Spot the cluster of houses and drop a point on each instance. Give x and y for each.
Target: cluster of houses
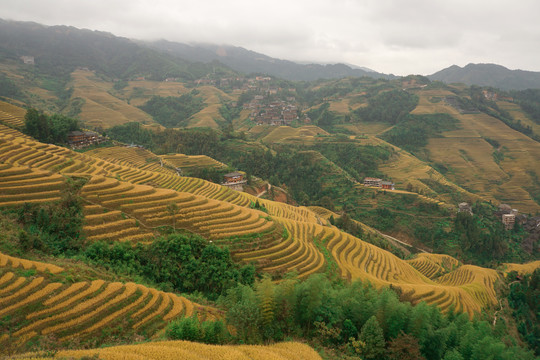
(493, 96)
(273, 113)
(380, 183)
(82, 139)
(509, 217)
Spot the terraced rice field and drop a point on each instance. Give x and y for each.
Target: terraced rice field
(149, 206)
(522, 269)
(11, 115)
(14, 262)
(284, 134)
(36, 306)
(471, 160)
(19, 185)
(168, 350)
(119, 207)
(139, 92)
(134, 157)
(192, 161)
(213, 99)
(99, 104)
(404, 168)
(433, 265)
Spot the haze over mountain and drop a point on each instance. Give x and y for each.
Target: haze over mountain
(489, 75)
(63, 48)
(247, 61)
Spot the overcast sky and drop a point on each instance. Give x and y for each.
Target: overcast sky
(391, 36)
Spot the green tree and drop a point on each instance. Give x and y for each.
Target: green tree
(372, 338)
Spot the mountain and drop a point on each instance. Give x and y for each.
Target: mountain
(247, 61)
(489, 75)
(58, 50)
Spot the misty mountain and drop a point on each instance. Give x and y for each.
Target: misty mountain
(489, 75)
(247, 61)
(58, 50)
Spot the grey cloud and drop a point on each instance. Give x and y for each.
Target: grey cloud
(401, 37)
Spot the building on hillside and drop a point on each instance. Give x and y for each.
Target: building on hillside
(369, 181)
(387, 185)
(81, 139)
(28, 60)
(508, 220)
(465, 207)
(234, 181)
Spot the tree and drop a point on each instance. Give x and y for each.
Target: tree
(373, 339)
(172, 209)
(404, 347)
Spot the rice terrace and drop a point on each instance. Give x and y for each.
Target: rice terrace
(156, 207)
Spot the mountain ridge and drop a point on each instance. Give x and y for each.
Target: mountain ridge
(489, 75)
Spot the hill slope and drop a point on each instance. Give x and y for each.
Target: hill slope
(247, 61)
(489, 75)
(279, 241)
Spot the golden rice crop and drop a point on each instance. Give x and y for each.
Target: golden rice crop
(94, 286)
(22, 291)
(168, 350)
(32, 297)
(177, 307)
(18, 282)
(131, 287)
(165, 301)
(113, 287)
(66, 292)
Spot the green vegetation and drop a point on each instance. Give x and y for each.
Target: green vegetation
(529, 100)
(132, 133)
(180, 262)
(358, 161)
(479, 238)
(9, 89)
(174, 111)
(357, 320)
(388, 106)
(523, 297)
(49, 129)
(191, 329)
(413, 131)
(53, 228)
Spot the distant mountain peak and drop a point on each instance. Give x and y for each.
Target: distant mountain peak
(494, 75)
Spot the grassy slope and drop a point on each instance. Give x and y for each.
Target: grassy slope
(470, 159)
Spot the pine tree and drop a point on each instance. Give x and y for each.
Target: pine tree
(373, 339)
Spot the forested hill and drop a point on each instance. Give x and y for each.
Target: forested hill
(58, 50)
(489, 75)
(248, 61)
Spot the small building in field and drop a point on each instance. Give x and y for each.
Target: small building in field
(28, 60)
(465, 207)
(234, 180)
(508, 220)
(369, 181)
(387, 185)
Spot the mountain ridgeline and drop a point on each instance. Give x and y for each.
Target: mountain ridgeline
(489, 75)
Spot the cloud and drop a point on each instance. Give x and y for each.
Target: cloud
(393, 36)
